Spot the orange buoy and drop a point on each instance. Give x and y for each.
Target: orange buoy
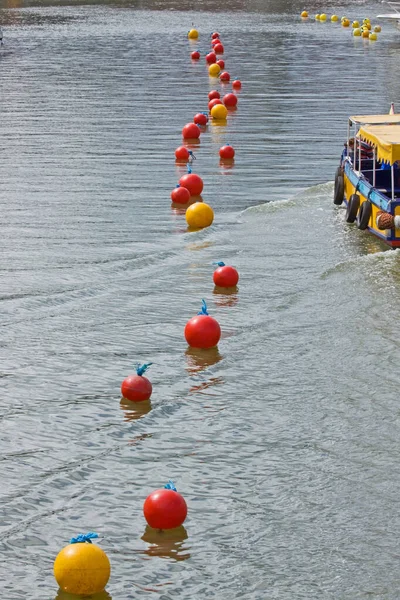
(227, 152)
(192, 182)
(211, 58)
(230, 100)
(202, 331)
(225, 76)
(213, 94)
(221, 63)
(180, 195)
(182, 153)
(195, 55)
(236, 84)
(214, 102)
(165, 508)
(137, 388)
(201, 119)
(191, 131)
(225, 276)
(218, 48)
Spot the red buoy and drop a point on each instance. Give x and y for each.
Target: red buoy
(192, 182)
(213, 102)
(202, 331)
(180, 195)
(227, 152)
(218, 48)
(165, 508)
(236, 84)
(215, 35)
(211, 58)
(213, 94)
(137, 388)
(195, 55)
(182, 153)
(230, 100)
(215, 41)
(225, 76)
(191, 131)
(221, 63)
(200, 119)
(225, 276)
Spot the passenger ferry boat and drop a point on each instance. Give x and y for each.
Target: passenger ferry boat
(368, 177)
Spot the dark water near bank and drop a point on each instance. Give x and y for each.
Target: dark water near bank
(284, 442)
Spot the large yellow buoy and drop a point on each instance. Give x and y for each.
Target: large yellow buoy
(82, 568)
(214, 70)
(357, 32)
(193, 34)
(377, 28)
(219, 111)
(373, 37)
(322, 17)
(199, 215)
(334, 18)
(304, 14)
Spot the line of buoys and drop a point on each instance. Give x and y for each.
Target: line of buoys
(363, 30)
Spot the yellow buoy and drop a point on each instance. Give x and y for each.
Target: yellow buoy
(317, 17)
(357, 32)
(365, 33)
(219, 111)
(322, 17)
(355, 24)
(373, 37)
(366, 20)
(304, 14)
(377, 28)
(82, 568)
(193, 34)
(214, 70)
(346, 23)
(334, 18)
(199, 215)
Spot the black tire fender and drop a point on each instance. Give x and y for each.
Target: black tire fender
(339, 171)
(352, 208)
(338, 195)
(364, 215)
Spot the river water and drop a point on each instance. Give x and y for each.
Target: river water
(284, 441)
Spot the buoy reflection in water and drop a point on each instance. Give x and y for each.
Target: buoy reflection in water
(167, 543)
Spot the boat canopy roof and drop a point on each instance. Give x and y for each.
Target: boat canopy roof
(385, 139)
(375, 119)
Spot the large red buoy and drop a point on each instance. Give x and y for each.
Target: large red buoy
(214, 102)
(225, 76)
(180, 195)
(201, 119)
(230, 100)
(136, 387)
(195, 55)
(191, 131)
(227, 152)
(221, 63)
(192, 182)
(236, 84)
(211, 58)
(182, 153)
(215, 35)
(214, 94)
(218, 48)
(202, 331)
(165, 508)
(225, 276)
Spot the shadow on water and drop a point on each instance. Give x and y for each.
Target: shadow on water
(166, 544)
(65, 596)
(134, 410)
(226, 296)
(198, 359)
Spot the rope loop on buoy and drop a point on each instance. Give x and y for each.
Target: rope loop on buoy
(219, 263)
(84, 537)
(170, 486)
(189, 170)
(203, 308)
(140, 369)
(191, 155)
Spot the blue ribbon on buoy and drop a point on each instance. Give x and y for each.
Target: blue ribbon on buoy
(203, 308)
(84, 537)
(189, 170)
(219, 263)
(140, 369)
(170, 486)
